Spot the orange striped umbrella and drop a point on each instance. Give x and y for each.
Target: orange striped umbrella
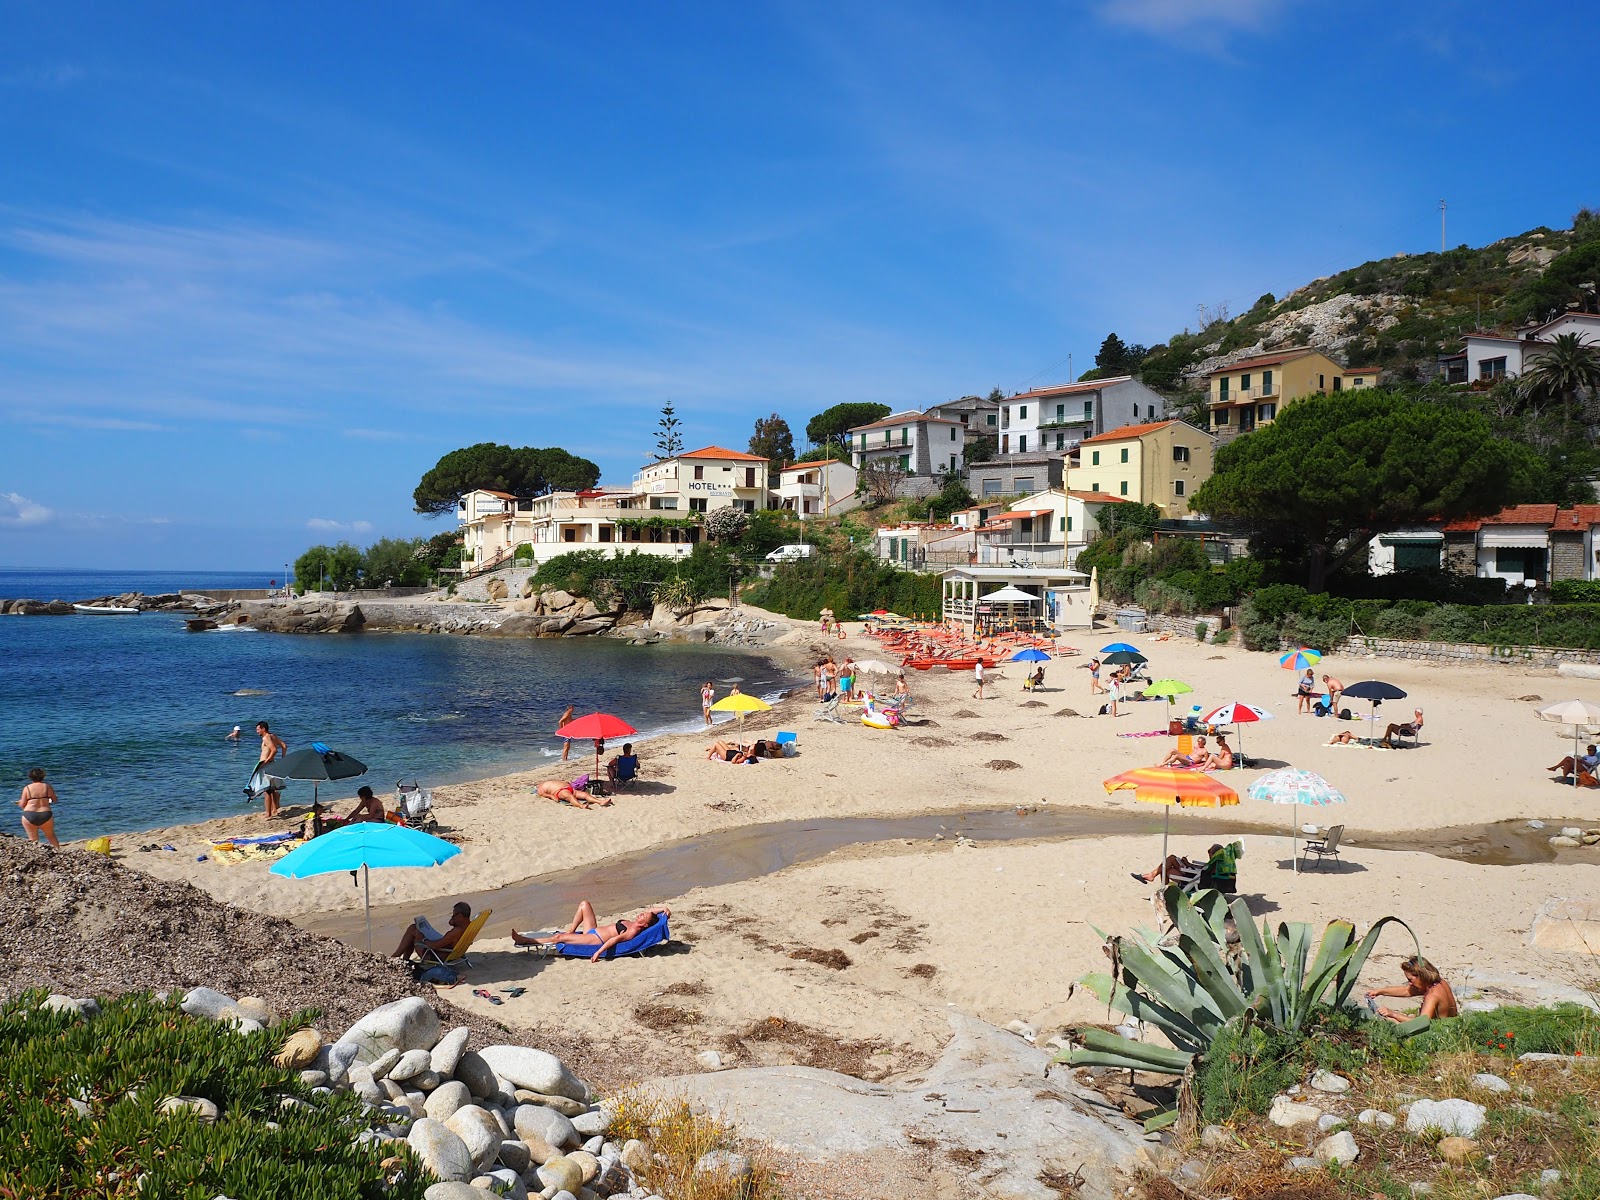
(1171, 786)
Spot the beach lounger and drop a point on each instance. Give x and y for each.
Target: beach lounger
(456, 956)
(1328, 846)
(658, 933)
(828, 710)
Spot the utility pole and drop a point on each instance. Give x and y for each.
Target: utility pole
(1442, 207)
(1071, 378)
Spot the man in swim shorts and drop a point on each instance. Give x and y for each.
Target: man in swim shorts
(585, 930)
(272, 747)
(419, 933)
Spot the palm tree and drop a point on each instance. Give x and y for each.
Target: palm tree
(1567, 369)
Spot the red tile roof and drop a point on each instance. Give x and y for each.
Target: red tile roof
(1098, 498)
(720, 452)
(815, 462)
(1127, 431)
(1070, 389)
(910, 417)
(1265, 360)
(1361, 371)
(492, 492)
(1524, 514)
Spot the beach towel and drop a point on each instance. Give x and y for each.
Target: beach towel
(288, 835)
(654, 936)
(1150, 733)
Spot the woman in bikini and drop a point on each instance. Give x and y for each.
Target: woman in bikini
(37, 797)
(585, 930)
(1422, 979)
(563, 792)
(727, 752)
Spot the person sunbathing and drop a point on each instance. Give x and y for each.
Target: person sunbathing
(1343, 738)
(1219, 870)
(1422, 979)
(420, 934)
(1197, 756)
(1583, 765)
(727, 752)
(585, 930)
(1221, 759)
(563, 792)
(1410, 729)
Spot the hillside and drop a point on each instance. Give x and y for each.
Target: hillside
(1401, 312)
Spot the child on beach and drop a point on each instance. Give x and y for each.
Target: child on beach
(707, 695)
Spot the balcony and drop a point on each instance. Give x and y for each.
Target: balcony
(801, 491)
(1249, 395)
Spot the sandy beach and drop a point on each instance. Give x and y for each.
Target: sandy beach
(861, 953)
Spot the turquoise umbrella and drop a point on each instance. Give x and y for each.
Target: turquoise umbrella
(1291, 785)
(363, 846)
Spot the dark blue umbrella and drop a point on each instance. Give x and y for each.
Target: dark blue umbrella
(1375, 692)
(1115, 646)
(1119, 658)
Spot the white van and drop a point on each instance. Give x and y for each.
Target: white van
(791, 553)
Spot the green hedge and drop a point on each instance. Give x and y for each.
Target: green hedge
(136, 1053)
(850, 584)
(1576, 591)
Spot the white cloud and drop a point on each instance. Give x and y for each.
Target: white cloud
(383, 435)
(45, 77)
(1205, 20)
(18, 510)
(323, 525)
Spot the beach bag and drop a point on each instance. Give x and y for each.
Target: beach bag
(99, 845)
(435, 973)
(1104, 709)
(1344, 715)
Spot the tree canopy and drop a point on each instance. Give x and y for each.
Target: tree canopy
(520, 470)
(773, 440)
(1333, 472)
(1116, 357)
(831, 424)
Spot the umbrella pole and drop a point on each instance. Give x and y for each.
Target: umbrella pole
(1294, 838)
(366, 897)
(1166, 826)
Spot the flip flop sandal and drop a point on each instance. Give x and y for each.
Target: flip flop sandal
(514, 992)
(486, 995)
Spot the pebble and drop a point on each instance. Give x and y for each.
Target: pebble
(1329, 1121)
(1456, 1150)
(1340, 1148)
(314, 1079)
(594, 1145)
(1460, 1118)
(1286, 1114)
(1374, 1116)
(409, 1065)
(1549, 1177)
(1486, 1082)
(442, 1059)
(561, 1173)
(79, 1107)
(205, 1002)
(1563, 842)
(479, 1131)
(727, 1163)
(587, 1163)
(710, 1060)
(1301, 1163)
(452, 1191)
(1327, 1081)
(1215, 1137)
(380, 1066)
(590, 1123)
(204, 1109)
(514, 1154)
(440, 1150)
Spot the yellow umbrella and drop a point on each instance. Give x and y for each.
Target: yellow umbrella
(1172, 786)
(740, 703)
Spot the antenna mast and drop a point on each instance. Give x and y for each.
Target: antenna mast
(1442, 207)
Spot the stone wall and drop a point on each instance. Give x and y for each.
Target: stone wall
(1181, 626)
(512, 577)
(1443, 652)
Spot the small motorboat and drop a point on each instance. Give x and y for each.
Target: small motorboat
(105, 610)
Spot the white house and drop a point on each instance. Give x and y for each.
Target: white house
(921, 445)
(705, 480)
(1049, 527)
(1057, 418)
(492, 524)
(823, 488)
(1490, 356)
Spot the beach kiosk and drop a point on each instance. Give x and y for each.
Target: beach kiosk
(979, 597)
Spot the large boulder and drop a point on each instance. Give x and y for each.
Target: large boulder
(441, 1150)
(205, 1002)
(480, 1131)
(1455, 1118)
(555, 600)
(477, 1075)
(407, 1024)
(535, 1070)
(447, 1051)
(446, 1099)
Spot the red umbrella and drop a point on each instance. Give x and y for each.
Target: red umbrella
(596, 725)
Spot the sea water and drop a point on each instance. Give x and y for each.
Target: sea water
(129, 714)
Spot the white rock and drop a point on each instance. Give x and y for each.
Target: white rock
(1339, 1148)
(591, 1123)
(56, 1002)
(411, 1064)
(454, 1190)
(407, 1024)
(1301, 1163)
(480, 1131)
(202, 1108)
(560, 1173)
(1480, 1006)
(506, 1183)
(79, 1107)
(594, 1145)
(1286, 1113)
(341, 1057)
(1329, 1121)
(1374, 1116)
(727, 1163)
(1572, 831)
(381, 1066)
(524, 1067)
(548, 1126)
(587, 1163)
(447, 1052)
(514, 1154)
(710, 1060)
(204, 1002)
(477, 1075)
(1455, 1118)
(446, 1098)
(1327, 1081)
(362, 1083)
(1565, 843)
(425, 1081)
(1486, 1082)
(1215, 1137)
(1535, 825)
(441, 1151)
(1516, 1196)
(1549, 1177)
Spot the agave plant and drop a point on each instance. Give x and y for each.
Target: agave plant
(1191, 989)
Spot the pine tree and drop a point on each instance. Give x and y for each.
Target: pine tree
(669, 442)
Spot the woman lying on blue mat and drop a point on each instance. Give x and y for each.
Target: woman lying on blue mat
(585, 930)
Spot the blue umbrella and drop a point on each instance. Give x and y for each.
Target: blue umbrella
(1030, 655)
(1115, 646)
(363, 846)
(1375, 692)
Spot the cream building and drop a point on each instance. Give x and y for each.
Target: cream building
(703, 481)
(1161, 463)
(1254, 390)
(492, 524)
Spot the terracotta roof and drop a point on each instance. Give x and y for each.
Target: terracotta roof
(492, 492)
(1265, 360)
(1579, 516)
(1361, 371)
(1098, 498)
(1127, 432)
(1022, 514)
(720, 452)
(1463, 525)
(816, 462)
(1489, 335)
(909, 417)
(1524, 514)
(1070, 389)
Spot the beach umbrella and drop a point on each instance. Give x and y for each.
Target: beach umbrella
(362, 846)
(1118, 657)
(1115, 646)
(319, 764)
(1171, 786)
(1375, 692)
(1299, 660)
(1236, 713)
(875, 666)
(1168, 688)
(1031, 654)
(1576, 713)
(1290, 785)
(597, 726)
(740, 703)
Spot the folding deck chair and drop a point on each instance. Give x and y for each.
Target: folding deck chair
(1328, 846)
(456, 956)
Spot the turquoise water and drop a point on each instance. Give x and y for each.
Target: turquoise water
(128, 715)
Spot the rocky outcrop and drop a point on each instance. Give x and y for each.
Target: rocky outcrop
(166, 602)
(308, 614)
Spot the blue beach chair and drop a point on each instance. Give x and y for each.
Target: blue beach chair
(638, 944)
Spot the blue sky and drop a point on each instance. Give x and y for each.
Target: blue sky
(261, 264)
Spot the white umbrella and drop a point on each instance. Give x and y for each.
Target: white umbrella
(874, 666)
(1290, 785)
(1010, 595)
(1576, 713)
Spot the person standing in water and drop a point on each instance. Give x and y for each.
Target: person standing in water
(272, 747)
(707, 695)
(561, 723)
(37, 818)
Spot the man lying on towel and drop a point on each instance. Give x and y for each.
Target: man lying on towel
(585, 930)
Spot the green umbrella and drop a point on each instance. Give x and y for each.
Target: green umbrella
(1168, 688)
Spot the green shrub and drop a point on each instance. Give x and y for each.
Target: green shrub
(849, 584)
(1575, 591)
(136, 1053)
(1397, 623)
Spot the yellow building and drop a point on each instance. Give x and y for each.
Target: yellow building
(1161, 463)
(1251, 391)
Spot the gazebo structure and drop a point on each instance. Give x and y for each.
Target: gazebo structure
(981, 597)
